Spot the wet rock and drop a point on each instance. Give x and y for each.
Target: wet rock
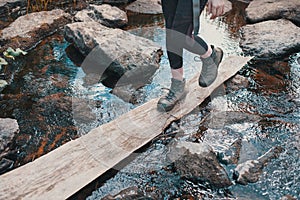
(270, 39)
(251, 170)
(232, 154)
(237, 82)
(132, 193)
(145, 7)
(8, 129)
(288, 197)
(262, 10)
(5, 165)
(26, 31)
(82, 111)
(105, 14)
(116, 57)
(248, 172)
(198, 162)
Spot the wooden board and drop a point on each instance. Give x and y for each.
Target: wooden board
(64, 171)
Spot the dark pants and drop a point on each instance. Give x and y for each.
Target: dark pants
(179, 30)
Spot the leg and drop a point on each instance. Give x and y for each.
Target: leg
(174, 51)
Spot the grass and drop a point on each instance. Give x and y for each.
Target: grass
(37, 5)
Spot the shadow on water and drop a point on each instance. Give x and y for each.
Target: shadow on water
(48, 92)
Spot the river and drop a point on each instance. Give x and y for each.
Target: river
(47, 85)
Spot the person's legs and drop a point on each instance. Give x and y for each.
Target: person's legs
(179, 28)
(210, 56)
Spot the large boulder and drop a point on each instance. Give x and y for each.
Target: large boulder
(119, 59)
(145, 7)
(262, 10)
(105, 14)
(269, 39)
(198, 162)
(26, 31)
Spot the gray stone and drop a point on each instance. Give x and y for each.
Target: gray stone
(262, 10)
(26, 31)
(248, 172)
(251, 170)
(269, 39)
(145, 7)
(8, 129)
(105, 14)
(198, 162)
(85, 16)
(115, 56)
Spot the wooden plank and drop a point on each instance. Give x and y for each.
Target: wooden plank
(62, 172)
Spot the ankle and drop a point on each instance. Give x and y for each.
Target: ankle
(177, 74)
(208, 53)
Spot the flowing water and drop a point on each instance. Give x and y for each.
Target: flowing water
(48, 90)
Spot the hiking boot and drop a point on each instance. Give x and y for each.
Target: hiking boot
(210, 66)
(176, 92)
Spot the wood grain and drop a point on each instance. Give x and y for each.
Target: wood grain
(62, 172)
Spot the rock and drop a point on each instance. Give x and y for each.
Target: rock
(82, 111)
(270, 39)
(116, 57)
(145, 7)
(237, 82)
(262, 10)
(248, 172)
(288, 197)
(105, 14)
(8, 129)
(251, 170)
(131, 193)
(26, 31)
(232, 154)
(5, 165)
(85, 16)
(198, 162)
(12, 9)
